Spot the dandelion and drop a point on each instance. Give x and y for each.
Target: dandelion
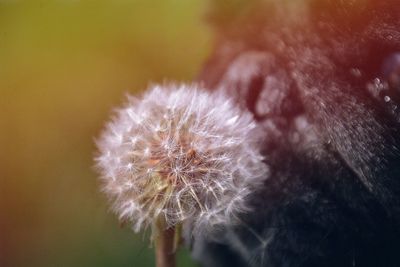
(179, 154)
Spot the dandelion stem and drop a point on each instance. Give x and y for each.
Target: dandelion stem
(164, 245)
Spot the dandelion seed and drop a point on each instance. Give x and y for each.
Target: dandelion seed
(180, 152)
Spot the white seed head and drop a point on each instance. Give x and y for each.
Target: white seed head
(180, 153)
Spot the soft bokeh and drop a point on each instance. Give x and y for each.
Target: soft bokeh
(63, 66)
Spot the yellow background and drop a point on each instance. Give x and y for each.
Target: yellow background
(63, 66)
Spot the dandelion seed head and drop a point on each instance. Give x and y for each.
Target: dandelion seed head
(180, 153)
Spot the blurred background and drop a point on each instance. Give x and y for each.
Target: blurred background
(63, 66)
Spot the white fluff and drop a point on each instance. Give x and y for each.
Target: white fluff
(180, 153)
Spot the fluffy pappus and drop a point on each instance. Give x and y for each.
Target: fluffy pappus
(180, 153)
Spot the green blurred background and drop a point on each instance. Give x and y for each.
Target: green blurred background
(63, 66)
